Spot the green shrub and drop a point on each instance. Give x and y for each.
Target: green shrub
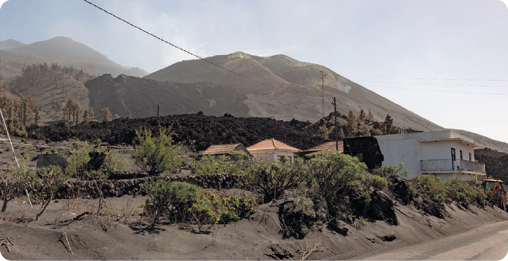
(379, 183)
(463, 192)
(223, 164)
(78, 160)
(169, 199)
(336, 173)
(156, 154)
(271, 179)
(363, 222)
(9, 186)
(113, 162)
(430, 187)
(390, 171)
(43, 185)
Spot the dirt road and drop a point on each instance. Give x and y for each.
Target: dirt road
(487, 242)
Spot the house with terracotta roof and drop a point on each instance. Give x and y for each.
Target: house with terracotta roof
(273, 150)
(224, 149)
(327, 146)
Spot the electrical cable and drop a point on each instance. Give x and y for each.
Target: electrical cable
(412, 89)
(179, 48)
(439, 79)
(443, 84)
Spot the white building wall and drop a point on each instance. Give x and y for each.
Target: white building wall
(409, 149)
(271, 155)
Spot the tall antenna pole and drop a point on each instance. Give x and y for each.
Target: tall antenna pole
(323, 92)
(335, 120)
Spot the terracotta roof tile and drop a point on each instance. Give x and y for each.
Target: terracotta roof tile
(221, 149)
(327, 146)
(271, 144)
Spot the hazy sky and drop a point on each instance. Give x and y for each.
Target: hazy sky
(446, 60)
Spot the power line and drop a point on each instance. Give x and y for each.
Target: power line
(412, 89)
(439, 79)
(179, 48)
(443, 84)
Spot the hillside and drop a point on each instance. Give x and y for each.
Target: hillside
(9, 44)
(135, 97)
(485, 141)
(293, 91)
(66, 52)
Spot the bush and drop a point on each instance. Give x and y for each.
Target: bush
(390, 171)
(271, 179)
(377, 182)
(336, 173)
(156, 154)
(7, 191)
(43, 185)
(77, 161)
(223, 164)
(113, 162)
(463, 192)
(429, 187)
(169, 199)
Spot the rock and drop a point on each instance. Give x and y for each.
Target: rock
(388, 237)
(339, 226)
(382, 208)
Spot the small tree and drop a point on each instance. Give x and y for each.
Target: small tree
(336, 173)
(370, 116)
(8, 189)
(106, 114)
(271, 179)
(352, 123)
(165, 198)
(156, 154)
(362, 117)
(44, 184)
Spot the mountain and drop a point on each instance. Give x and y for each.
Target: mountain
(135, 97)
(67, 52)
(289, 88)
(9, 44)
(485, 141)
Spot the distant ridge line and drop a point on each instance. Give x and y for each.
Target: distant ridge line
(181, 49)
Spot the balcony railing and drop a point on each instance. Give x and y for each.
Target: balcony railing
(449, 165)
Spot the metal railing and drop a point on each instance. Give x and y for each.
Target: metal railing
(451, 165)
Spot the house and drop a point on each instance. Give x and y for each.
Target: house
(225, 149)
(445, 154)
(273, 150)
(327, 146)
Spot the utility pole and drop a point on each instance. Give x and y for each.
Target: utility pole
(335, 121)
(158, 119)
(323, 92)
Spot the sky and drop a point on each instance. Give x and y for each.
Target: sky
(445, 60)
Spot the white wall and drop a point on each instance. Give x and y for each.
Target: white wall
(271, 155)
(411, 148)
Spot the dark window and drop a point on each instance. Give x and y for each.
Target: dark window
(469, 156)
(460, 154)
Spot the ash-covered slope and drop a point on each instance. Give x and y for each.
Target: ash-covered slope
(137, 97)
(9, 44)
(66, 52)
(292, 90)
(485, 141)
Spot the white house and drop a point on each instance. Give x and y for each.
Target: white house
(273, 150)
(445, 154)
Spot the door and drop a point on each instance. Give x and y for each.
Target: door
(453, 158)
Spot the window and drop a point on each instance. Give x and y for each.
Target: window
(469, 156)
(281, 159)
(460, 154)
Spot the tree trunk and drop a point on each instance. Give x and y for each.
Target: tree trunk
(44, 206)
(4, 206)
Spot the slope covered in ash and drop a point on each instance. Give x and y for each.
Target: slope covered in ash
(67, 52)
(290, 89)
(137, 97)
(197, 130)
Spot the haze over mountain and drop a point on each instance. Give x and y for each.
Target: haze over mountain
(293, 91)
(63, 51)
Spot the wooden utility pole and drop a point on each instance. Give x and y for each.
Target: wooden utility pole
(323, 92)
(158, 119)
(335, 121)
